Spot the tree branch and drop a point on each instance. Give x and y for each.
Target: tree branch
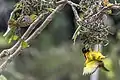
(17, 48)
(25, 36)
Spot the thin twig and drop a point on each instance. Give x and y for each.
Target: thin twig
(73, 5)
(114, 6)
(61, 2)
(77, 18)
(45, 23)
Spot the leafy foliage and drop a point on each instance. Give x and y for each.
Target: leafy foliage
(24, 44)
(25, 13)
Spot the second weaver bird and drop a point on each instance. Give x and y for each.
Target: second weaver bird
(107, 3)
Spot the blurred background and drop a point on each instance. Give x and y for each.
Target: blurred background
(52, 55)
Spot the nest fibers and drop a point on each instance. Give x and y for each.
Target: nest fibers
(37, 6)
(92, 29)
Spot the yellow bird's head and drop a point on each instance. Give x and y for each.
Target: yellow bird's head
(87, 53)
(92, 55)
(85, 50)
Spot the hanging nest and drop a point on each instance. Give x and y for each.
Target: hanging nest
(91, 28)
(36, 6)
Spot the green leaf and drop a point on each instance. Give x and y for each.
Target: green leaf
(24, 44)
(10, 40)
(15, 37)
(9, 35)
(2, 77)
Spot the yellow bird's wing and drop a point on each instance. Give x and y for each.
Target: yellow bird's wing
(90, 67)
(97, 56)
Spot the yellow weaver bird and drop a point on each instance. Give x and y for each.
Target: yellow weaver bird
(94, 60)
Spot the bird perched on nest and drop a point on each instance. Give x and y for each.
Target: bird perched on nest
(94, 60)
